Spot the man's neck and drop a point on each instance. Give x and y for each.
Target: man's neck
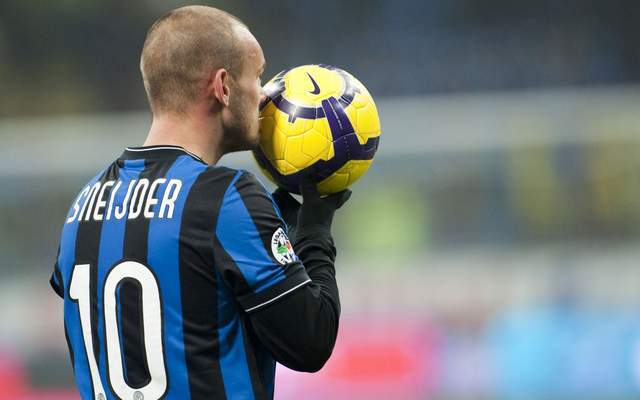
(191, 134)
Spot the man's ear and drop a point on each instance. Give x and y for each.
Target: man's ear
(218, 86)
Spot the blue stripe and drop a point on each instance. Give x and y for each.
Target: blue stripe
(163, 258)
(111, 248)
(249, 254)
(66, 262)
(233, 358)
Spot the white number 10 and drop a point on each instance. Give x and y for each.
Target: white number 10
(79, 290)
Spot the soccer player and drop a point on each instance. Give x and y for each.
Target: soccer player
(178, 277)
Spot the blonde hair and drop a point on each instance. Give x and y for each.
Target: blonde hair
(181, 48)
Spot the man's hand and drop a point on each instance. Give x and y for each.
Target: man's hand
(315, 213)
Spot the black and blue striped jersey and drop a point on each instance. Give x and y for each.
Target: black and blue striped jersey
(162, 261)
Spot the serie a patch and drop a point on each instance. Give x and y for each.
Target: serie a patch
(281, 247)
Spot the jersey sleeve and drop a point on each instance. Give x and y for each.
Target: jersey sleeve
(253, 254)
(56, 279)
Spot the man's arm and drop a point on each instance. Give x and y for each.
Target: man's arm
(291, 300)
(300, 330)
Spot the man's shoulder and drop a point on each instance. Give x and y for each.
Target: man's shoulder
(219, 172)
(232, 179)
(218, 186)
(218, 177)
(245, 184)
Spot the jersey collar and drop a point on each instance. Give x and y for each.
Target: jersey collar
(158, 151)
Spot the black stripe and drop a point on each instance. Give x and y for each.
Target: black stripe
(227, 266)
(66, 337)
(261, 209)
(60, 283)
(257, 360)
(56, 277)
(56, 281)
(135, 359)
(199, 282)
(87, 252)
(137, 229)
(135, 248)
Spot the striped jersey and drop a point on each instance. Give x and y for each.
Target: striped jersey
(161, 259)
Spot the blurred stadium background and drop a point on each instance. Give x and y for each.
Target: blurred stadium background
(490, 253)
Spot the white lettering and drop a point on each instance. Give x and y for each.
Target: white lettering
(119, 213)
(170, 196)
(141, 198)
(137, 200)
(151, 201)
(90, 198)
(76, 205)
(111, 197)
(97, 215)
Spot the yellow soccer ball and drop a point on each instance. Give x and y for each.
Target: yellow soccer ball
(317, 120)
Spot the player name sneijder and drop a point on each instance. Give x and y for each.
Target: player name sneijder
(139, 200)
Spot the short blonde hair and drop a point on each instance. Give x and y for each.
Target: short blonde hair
(181, 47)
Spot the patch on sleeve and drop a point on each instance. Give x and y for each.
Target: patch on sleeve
(281, 247)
